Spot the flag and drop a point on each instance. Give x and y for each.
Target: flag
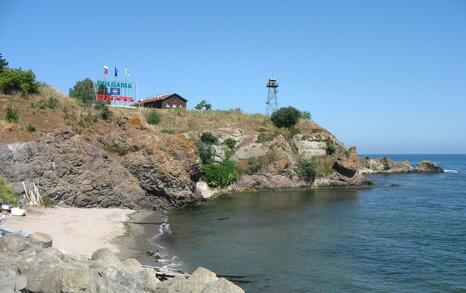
(105, 70)
(126, 72)
(116, 72)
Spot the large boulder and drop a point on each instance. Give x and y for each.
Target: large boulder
(248, 151)
(41, 239)
(222, 285)
(105, 257)
(308, 147)
(12, 243)
(428, 167)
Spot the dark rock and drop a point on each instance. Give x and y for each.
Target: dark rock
(428, 167)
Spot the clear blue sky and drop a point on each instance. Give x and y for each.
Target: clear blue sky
(386, 76)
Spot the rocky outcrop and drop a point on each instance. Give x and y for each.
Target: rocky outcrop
(31, 266)
(388, 166)
(428, 167)
(77, 170)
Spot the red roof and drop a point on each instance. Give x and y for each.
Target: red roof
(159, 98)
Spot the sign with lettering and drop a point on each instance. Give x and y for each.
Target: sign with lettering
(115, 84)
(119, 93)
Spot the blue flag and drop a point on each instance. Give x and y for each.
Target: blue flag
(116, 72)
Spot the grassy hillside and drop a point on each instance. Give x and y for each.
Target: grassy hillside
(50, 110)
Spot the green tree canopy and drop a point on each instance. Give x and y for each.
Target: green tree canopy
(285, 117)
(203, 105)
(18, 80)
(83, 91)
(3, 63)
(102, 90)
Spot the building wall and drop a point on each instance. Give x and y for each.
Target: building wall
(174, 100)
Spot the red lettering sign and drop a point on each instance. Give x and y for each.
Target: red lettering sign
(100, 97)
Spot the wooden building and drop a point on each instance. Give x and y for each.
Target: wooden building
(170, 101)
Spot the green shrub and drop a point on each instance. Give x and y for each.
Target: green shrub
(83, 91)
(266, 135)
(285, 117)
(254, 165)
(230, 143)
(105, 113)
(11, 114)
(324, 170)
(115, 148)
(203, 105)
(331, 147)
(47, 201)
(3, 63)
(305, 115)
(102, 90)
(7, 195)
(17, 80)
(206, 152)
(208, 137)
(293, 131)
(30, 128)
(99, 105)
(52, 102)
(153, 117)
(85, 120)
(307, 169)
(221, 174)
(168, 131)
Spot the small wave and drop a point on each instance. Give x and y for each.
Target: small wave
(450, 171)
(167, 261)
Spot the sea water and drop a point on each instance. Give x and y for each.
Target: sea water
(406, 234)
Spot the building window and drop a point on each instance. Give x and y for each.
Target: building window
(167, 105)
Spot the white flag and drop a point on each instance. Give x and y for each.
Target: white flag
(126, 72)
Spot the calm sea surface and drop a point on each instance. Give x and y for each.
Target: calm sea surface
(407, 234)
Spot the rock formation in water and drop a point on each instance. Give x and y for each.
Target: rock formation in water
(33, 265)
(388, 166)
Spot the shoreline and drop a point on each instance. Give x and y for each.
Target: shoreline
(139, 241)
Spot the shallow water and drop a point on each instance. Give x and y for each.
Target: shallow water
(405, 238)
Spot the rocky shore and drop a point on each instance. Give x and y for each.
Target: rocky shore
(31, 264)
(388, 166)
(79, 160)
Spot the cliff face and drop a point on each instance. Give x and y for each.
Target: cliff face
(80, 160)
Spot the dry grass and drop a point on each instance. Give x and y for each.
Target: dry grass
(174, 121)
(181, 121)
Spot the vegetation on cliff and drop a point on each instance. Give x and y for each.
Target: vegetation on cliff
(7, 195)
(96, 155)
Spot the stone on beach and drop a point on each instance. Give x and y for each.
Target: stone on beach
(41, 239)
(28, 264)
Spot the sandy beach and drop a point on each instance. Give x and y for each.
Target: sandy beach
(76, 231)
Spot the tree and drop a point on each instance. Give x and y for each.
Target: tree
(102, 90)
(203, 105)
(83, 91)
(305, 115)
(3, 63)
(17, 80)
(285, 117)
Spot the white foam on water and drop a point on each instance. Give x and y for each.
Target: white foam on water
(166, 260)
(450, 171)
